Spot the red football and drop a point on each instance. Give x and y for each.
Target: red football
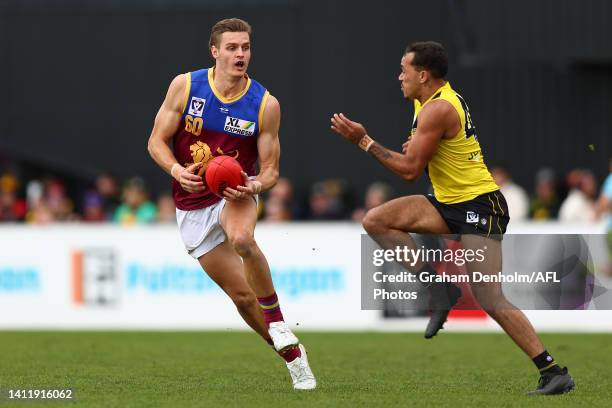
(222, 172)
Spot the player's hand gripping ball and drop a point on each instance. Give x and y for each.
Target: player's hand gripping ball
(223, 172)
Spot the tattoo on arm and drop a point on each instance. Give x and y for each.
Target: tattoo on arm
(379, 151)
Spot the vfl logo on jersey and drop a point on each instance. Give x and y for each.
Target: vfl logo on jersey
(239, 126)
(196, 106)
(471, 217)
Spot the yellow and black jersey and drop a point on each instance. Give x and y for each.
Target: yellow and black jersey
(457, 171)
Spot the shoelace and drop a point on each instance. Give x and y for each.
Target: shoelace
(544, 379)
(303, 370)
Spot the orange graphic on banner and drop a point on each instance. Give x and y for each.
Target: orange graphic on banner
(77, 277)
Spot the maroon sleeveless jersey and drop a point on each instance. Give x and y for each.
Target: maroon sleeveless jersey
(213, 126)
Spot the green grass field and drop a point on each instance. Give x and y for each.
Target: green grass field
(185, 369)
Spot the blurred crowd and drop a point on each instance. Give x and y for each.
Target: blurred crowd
(47, 200)
(577, 197)
(574, 197)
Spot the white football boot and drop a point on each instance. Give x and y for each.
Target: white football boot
(282, 336)
(301, 374)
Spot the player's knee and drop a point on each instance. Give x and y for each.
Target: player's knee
(373, 223)
(244, 244)
(243, 299)
(488, 298)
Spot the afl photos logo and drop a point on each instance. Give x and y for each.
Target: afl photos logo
(196, 106)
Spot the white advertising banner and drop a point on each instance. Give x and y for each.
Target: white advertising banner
(141, 277)
(112, 277)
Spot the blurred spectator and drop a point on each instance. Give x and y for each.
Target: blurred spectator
(604, 203)
(40, 213)
(8, 182)
(34, 193)
(48, 201)
(166, 209)
(516, 197)
(12, 208)
(93, 210)
(136, 207)
(58, 202)
(325, 201)
(377, 194)
(579, 206)
(545, 204)
(604, 207)
(279, 205)
(108, 190)
(283, 190)
(276, 210)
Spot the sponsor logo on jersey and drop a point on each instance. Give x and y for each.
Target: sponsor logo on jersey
(471, 217)
(223, 110)
(239, 126)
(196, 106)
(475, 156)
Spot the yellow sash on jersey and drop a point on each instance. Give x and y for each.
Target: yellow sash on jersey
(457, 171)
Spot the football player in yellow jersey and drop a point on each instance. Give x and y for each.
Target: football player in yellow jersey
(466, 200)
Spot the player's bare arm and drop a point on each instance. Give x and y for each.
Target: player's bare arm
(268, 148)
(268, 145)
(437, 120)
(167, 121)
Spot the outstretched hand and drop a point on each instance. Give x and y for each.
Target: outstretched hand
(351, 131)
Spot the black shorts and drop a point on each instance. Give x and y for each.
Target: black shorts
(485, 215)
